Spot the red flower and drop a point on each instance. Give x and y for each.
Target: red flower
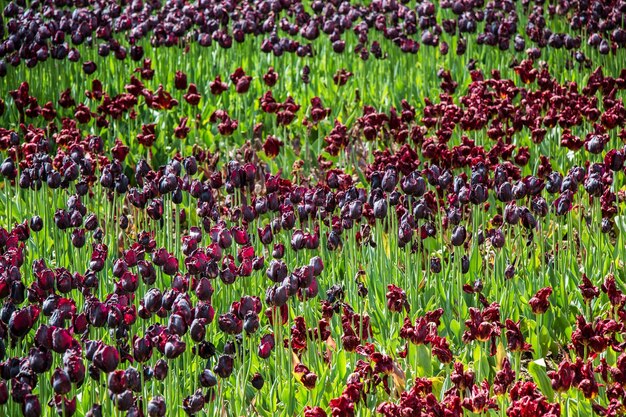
(588, 290)
(268, 103)
(318, 112)
(217, 86)
(504, 378)
(563, 377)
(66, 100)
(586, 380)
(119, 151)
(441, 349)
(305, 376)
(298, 335)
(270, 79)
(336, 139)
(160, 100)
(47, 111)
(314, 411)
(515, 338)
(181, 131)
(82, 114)
(383, 363)
(241, 80)
(396, 299)
(272, 146)
(616, 297)
(341, 407)
(192, 96)
(526, 401)
(227, 125)
(539, 302)
(266, 346)
(460, 378)
(593, 338)
(341, 77)
(525, 70)
(146, 71)
(479, 400)
(180, 80)
(147, 135)
(96, 92)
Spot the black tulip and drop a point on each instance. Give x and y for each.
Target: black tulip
(208, 379)
(157, 407)
(31, 406)
(36, 223)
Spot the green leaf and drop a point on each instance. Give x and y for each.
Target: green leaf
(481, 362)
(455, 327)
(475, 262)
(341, 363)
(620, 222)
(424, 360)
(537, 369)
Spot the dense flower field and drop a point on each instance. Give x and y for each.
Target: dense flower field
(328, 208)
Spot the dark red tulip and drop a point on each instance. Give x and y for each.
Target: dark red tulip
(207, 379)
(31, 406)
(266, 346)
(106, 358)
(142, 349)
(36, 224)
(217, 86)
(272, 146)
(156, 407)
(4, 393)
(224, 366)
(160, 370)
(192, 96)
(435, 265)
(123, 401)
(230, 324)
(396, 299)
(60, 382)
(116, 381)
(271, 77)
(75, 368)
(539, 302)
(316, 411)
(180, 80)
(197, 330)
(89, 67)
(94, 411)
(194, 403)
(588, 290)
(171, 266)
(21, 321)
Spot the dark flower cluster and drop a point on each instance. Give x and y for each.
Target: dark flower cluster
(136, 260)
(37, 31)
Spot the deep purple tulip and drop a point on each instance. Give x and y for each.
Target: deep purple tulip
(106, 358)
(31, 406)
(160, 370)
(60, 382)
(94, 411)
(116, 381)
(123, 401)
(207, 379)
(224, 367)
(194, 403)
(4, 393)
(89, 67)
(156, 407)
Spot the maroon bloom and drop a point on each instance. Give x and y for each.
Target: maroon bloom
(272, 146)
(539, 302)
